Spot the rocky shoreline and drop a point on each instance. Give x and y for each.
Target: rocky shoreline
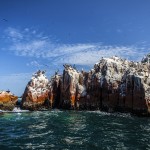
(113, 85)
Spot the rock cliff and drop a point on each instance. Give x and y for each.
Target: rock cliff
(7, 100)
(123, 85)
(114, 84)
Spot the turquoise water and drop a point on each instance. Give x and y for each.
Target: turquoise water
(73, 130)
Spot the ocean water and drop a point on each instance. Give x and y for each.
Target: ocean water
(65, 130)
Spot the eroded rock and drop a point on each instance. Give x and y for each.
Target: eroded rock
(7, 100)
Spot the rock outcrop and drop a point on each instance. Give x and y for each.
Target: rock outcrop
(114, 84)
(36, 94)
(123, 85)
(7, 100)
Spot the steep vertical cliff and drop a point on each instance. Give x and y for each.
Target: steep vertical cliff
(72, 88)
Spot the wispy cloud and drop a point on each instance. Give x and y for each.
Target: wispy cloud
(31, 43)
(13, 34)
(33, 63)
(119, 30)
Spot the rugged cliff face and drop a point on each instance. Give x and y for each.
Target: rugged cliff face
(114, 84)
(36, 95)
(7, 100)
(123, 85)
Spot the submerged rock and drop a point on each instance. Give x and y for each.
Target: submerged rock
(7, 100)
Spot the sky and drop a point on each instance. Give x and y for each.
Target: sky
(45, 34)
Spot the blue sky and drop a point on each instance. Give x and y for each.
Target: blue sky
(44, 34)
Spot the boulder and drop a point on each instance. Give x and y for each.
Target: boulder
(7, 100)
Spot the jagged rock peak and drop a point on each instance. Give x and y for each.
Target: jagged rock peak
(146, 59)
(38, 84)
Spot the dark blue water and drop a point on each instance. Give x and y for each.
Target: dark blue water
(73, 130)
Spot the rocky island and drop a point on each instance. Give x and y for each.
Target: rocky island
(114, 84)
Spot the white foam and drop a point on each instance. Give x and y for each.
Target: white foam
(15, 110)
(19, 110)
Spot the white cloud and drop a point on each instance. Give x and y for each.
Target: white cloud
(14, 34)
(91, 55)
(31, 43)
(26, 29)
(35, 64)
(33, 48)
(119, 30)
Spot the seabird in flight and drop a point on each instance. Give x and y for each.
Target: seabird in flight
(4, 20)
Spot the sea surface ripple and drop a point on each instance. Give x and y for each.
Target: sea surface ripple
(65, 130)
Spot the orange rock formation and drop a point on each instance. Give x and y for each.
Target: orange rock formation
(7, 100)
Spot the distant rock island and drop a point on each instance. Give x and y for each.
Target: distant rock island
(114, 84)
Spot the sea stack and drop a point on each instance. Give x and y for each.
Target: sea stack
(36, 94)
(72, 88)
(7, 100)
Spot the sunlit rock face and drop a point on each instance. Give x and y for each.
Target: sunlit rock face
(122, 84)
(133, 89)
(146, 59)
(37, 92)
(114, 84)
(7, 100)
(72, 87)
(69, 86)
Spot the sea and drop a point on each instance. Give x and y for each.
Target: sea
(73, 130)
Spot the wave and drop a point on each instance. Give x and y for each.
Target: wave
(15, 110)
(117, 114)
